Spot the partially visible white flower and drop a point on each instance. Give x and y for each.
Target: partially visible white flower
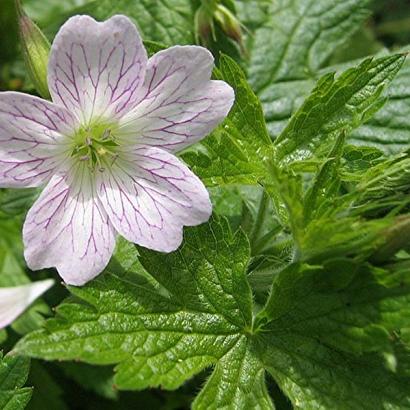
(105, 147)
(14, 301)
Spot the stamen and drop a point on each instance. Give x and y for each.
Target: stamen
(106, 135)
(96, 146)
(114, 158)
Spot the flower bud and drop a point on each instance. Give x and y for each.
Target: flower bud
(393, 239)
(204, 24)
(228, 23)
(35, 48)
(211, 12)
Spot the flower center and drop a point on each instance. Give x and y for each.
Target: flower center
(95, 145)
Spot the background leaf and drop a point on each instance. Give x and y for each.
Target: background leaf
(13, 375)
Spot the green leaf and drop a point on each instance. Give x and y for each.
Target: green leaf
(330, 328)
(248, 207)
(328, 332)
(227, 201)
(15, 202)
(341, 210)
(252, 13)
(324, 222)
(389, 128)
(386, 184)
(337, 104)
(318, 199)
(298, 38)
(45, 11)
(11, 266)
(358, 159)
(243, 377)
(235, 151)
(164, 21)
(315, 376)
(285, 187)
(341, 235)
(290, 46)
(13, 375)
(291, 49)
(161, 336)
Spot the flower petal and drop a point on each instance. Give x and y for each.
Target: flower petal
(31, 139)
(67, 228)
(179, 103)
(150, 195)
(96, 69)
(14, 301)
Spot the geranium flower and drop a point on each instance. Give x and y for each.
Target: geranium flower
(14, 301)
(105, 146)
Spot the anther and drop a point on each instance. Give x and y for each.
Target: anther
(106, 134)
(115, 156)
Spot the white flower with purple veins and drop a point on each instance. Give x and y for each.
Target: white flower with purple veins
(14, 301)
(105, 147)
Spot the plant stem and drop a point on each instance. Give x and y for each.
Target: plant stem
(260, 217)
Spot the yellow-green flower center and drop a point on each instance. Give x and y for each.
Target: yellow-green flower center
(96, 145)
